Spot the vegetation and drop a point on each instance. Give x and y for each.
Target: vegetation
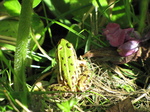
(30, 32)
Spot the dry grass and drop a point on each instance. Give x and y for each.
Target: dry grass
(110, 86)
(113, 86)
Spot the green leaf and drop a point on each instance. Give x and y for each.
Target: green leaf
(103, 3)
(80, 7)
(36, 3)
(13, 7)
(67, 105)
(8, 33)
(9, 27)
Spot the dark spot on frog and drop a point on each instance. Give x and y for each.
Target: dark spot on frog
(62, 58)
(71, 64)
(84, 74)
(65, 65)
(87, 76)
(87, 86)
(73, 77)
(90, 81)
(68, 45)
(73, 85)
(69, 57)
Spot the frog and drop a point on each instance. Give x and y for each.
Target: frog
(74, 73)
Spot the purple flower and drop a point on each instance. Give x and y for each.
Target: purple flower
(127, 40)
(128, 48)
(114, 34)
(128, 33)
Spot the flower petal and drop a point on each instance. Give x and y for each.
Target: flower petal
(114, 34)
(128, 48)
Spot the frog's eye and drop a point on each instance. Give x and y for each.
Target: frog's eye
(68, 45)
(60, 47)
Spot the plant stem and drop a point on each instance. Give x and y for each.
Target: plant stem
(21, 50)
(143, 13)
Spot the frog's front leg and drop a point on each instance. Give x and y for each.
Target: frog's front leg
(84, 82)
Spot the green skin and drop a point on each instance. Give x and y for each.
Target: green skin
(68, 64)
(70, 77)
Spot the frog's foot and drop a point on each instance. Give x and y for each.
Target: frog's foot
(60, 90)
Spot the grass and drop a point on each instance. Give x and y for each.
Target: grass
(82, 26)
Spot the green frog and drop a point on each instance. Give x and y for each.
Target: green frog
(74, 74)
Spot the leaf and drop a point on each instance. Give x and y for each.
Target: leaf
(9, 29)
(123, 106)
(57, 7)
(8, 33)
(66, 106)
(81, 7)
(36, 3)
(13, 7)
